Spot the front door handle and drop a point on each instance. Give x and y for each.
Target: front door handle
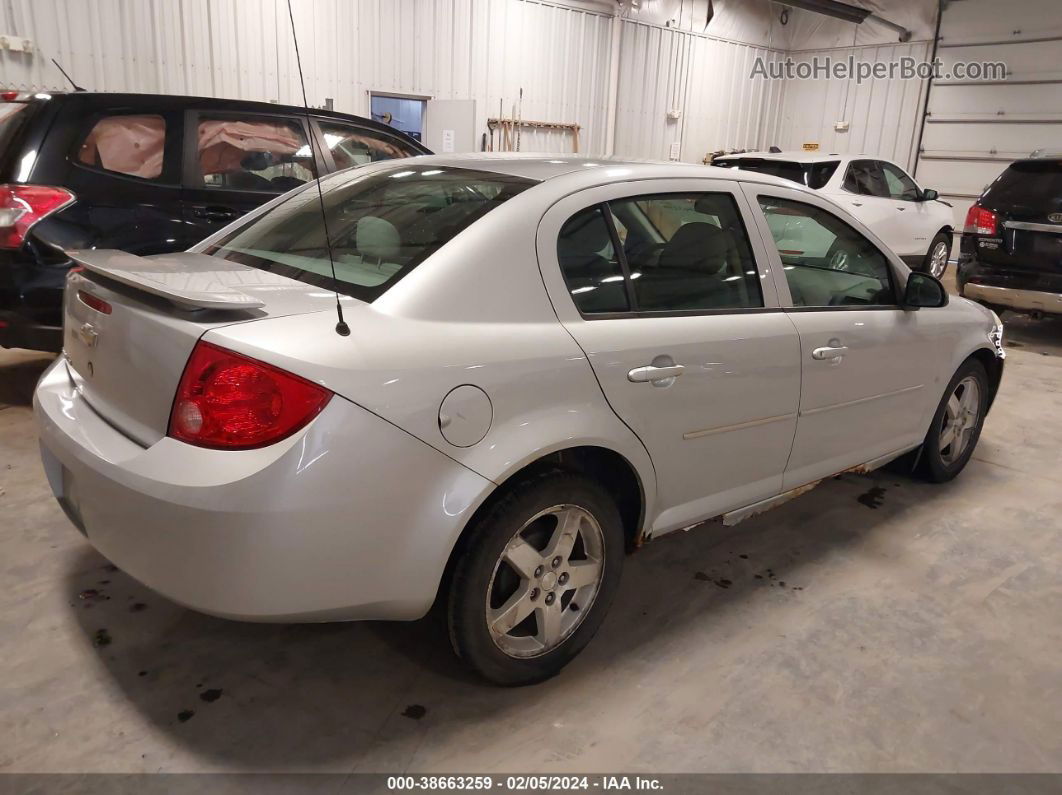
(655, 375)
(829, 352)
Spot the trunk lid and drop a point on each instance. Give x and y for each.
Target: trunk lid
(131, 322)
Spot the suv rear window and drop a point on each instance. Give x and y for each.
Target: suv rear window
(1028, 184)
(382, 225)
(11, 117)
(813, 175)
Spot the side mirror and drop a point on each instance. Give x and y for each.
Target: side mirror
(929, 195)
(924, 291)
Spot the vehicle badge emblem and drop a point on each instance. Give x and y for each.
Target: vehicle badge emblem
(1055, 218)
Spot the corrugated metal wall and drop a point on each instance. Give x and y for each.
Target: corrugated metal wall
(974, 129)
(705, 79)
(883, 115)
(447, 49)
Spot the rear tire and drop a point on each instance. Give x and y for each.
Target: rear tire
(936, 259)
(537, 575)
(956, 425)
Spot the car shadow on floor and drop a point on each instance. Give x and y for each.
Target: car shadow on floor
(1037, 335)
(327, 696)
(19, 372)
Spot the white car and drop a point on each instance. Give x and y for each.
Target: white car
(549, 362)
(911, 220)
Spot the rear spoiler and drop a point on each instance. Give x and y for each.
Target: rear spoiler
(190, 280)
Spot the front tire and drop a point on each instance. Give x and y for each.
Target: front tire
(956, 425)
(538, 573)
(936, 260)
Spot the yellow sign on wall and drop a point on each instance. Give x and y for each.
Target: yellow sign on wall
(811, 147)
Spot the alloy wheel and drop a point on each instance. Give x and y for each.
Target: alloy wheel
(545, 581)
(960, 419)
(938, 260)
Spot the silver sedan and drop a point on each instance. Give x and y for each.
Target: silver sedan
(549, 362)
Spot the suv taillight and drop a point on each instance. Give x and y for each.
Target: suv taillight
(980, 221)
(231, 402)
(21, 206)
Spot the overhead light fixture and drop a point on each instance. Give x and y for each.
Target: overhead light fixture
(849, 13)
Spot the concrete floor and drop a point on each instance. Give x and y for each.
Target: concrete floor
(876, 624)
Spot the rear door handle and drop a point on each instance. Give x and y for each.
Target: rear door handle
(215, 213)
(829, 352)
(655, 375)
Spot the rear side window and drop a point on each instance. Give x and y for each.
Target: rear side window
(590, 264)
(1028, 184)
(353, 146)
(382, 226)
(132, 145)
(253, 153)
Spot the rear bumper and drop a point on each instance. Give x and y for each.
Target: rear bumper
(1013, 298)
(351, 518)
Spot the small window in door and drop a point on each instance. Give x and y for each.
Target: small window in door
(125, 144)
(354, 146)
(253, 153)
(687, 252)
(901, 186)
(590, 264)
(826, 262)
(864, 177)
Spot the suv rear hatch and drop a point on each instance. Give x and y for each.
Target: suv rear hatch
(131, 323)
(1026, 202)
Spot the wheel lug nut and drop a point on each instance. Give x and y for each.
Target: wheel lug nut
(563, 578)
(556, 561)
(549, 598)
(538, 571)
(534, 594)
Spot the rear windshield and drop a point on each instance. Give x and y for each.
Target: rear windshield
(813, 175)
(11, 116)
(1028, 185)
(382, 225)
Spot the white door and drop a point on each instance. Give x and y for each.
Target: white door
(865, 194)
(869, 368)
(918, 220)
(658, 283)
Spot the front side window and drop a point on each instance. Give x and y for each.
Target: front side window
(864, 177)
(382, 225)
(353, 146)
(826, 262)
(125, 144)
(254, 153)
(901, 186)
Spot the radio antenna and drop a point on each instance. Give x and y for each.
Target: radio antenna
(342, 329)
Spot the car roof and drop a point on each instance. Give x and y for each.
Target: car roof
(795, 156)
(180, 101)
(544, 167)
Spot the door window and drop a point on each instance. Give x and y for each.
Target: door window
(900, 186)
(826, 262)
(865, 178)
(125, 144)
(253, 153)
(355, 146)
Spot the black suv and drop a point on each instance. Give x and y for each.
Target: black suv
(1011, 250)
(148, 174)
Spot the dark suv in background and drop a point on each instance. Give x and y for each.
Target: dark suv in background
(148, 174)
(1011, 250)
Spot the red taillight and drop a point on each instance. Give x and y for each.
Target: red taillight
(231, 402)
(21, 206)
(91, 301)
(8, 96)
(980, 221)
